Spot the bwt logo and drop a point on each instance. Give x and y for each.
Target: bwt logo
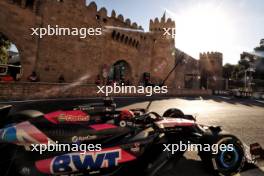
(169, 32)
(76, 162)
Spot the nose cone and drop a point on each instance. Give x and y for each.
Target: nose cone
(8, 135)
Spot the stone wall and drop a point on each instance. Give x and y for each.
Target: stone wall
(75, 57)
(31, 91)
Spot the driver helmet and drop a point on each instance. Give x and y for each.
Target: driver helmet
(126, 114)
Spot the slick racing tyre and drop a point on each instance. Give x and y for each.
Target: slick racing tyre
(173, 112)
(224, 161)
(16, 162)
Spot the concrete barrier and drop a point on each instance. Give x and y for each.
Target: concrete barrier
(235, 93)
(258, 95)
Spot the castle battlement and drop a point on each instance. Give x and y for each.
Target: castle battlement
(211, 55)
(212, 63)
(29, 4)
(102, 14)
(158, 24)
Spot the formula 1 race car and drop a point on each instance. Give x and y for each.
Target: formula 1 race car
(98, 139)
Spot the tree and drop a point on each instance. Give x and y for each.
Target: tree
(261, 46)
(244, 63)
(235, 74)
(238, 72)
(5, 44)
(259, 72)
(228, 70)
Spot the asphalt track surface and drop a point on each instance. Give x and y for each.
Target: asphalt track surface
(244, 118)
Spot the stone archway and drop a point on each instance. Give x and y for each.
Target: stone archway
(10, 64)
(120, 72)
(15, 25)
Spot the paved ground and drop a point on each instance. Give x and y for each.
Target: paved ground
(244, 118)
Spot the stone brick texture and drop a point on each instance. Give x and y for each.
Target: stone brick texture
(74, 58)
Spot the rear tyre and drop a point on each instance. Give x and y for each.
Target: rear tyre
(225, 162)
(15, 161)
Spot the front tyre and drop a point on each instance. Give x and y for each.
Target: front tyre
(228, 158)
(15, 161)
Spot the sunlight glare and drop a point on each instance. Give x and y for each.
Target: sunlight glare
(203, 27)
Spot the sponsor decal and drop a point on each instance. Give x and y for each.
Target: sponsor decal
(83, 138)
(67, 116)
(72, 118)
(74, 162)
(78, 162)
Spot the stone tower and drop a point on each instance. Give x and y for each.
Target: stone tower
(163, 28)
(211, 68)
(163, 47)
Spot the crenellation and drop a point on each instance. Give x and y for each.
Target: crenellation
(134, 25)
(92, 7)
(159, 25)
(113, 14)
(128, 22)
(215, 55)
(169, 20)
(156, 21)
(211, 55)
(120, 18)
(26, 4)
(103, 12)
